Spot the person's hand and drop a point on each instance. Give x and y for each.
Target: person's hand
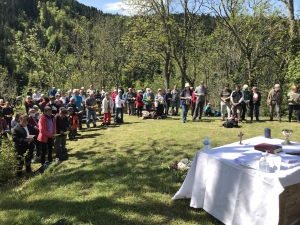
(53, 136)
(28, 140)
(293, 99)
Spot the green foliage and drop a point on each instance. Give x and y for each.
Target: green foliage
(8, 160)
(293, 74)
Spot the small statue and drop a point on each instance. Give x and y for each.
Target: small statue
(241, 137)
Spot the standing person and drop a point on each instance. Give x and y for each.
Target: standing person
(73, 123)
(107, 105)
(68, 98)
(53, 105)
(113, 96)
(175, 99)
(62, 126)
(78, 102)
(245, 102)
(236, 99)
(139, 103)
(225, 101)
(28, 103)
(82, 88)
(186, 96)
(294, 103)
(168, 98)
(148, 99)
(16, 120)
(90, 89)
(274, 101)
(159, 103)
(130, 99)
(83, 96)
(34, 122)
(98, 98)
(200, 93)
(8, 113)
(29, 92)
(23, 144)
(36, 97)
(47, 131)
(90, 106)
(63, 99)
(52, 92)
(119, 106)
(58, 101)
(255, 103)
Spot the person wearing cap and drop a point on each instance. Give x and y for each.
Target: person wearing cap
(47, 131)
(201, 94)
(159, 104)
(186, 96)
(107, 105)
(62, 126)
(148, 99)
(52, 92)
(53, 105)
(225, 101)
(119, 107)
(90, 106)
(99, 99)
(175, 99)
(245, 102)
(130, 99)
(274, 101)
(254, 103)
(113, 97)
(236, 99)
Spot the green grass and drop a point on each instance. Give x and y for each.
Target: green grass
(119, 175)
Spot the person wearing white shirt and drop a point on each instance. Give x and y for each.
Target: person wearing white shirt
(119, 106)
(36, 97)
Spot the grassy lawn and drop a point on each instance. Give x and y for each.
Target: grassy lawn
(119, 175)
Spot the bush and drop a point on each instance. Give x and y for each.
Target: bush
(8, 160)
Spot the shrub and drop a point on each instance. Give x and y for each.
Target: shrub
(8, 160)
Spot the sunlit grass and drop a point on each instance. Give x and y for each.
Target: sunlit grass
(119, 175)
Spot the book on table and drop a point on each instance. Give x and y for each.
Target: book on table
(265, 147)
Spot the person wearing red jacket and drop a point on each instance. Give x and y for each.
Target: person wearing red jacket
(113, 96)
(193, 102)
(47, 131)
(139, 103)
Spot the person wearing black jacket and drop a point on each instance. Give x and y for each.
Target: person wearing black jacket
(24, 144)
(53, 105)
(254, 103)
(168, 98)
(236, 99)
(99, 99)
(62, 126)
(8, 112)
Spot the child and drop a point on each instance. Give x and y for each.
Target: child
(73, 123)
(107, 105)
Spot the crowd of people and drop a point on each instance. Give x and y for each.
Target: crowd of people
(51, 118)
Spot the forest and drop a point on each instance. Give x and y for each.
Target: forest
(162, 43)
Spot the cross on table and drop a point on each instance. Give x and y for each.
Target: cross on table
(241, 137)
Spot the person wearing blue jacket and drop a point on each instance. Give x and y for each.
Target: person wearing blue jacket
(52, 92)
(185, 100)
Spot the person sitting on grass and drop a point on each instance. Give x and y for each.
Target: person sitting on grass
(73, 123)
(108, 106)
(207, 110)
(24, 144)
(62, 126)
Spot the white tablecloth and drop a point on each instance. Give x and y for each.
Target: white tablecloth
(235, 194)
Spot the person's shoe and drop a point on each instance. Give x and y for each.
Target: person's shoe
(94, 126)
(271, 119)
(183, 121)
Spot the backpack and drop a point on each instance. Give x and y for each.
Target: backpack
(154, 115)
(228, 124)
(63, 154)
(119, 120)
(217, 113)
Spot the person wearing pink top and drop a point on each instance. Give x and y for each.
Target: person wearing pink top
(139, 103)
(113, 97)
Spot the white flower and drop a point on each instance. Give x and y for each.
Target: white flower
(182, 166)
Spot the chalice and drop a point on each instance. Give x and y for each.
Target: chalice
(287, 133)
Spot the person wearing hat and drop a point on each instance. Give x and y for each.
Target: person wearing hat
(119, 107)
(148, 99)
(201, 94)
(186, 96)
(225, 101)
(53, 105)
(52, 92)
(245, 103)
(255, 103)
